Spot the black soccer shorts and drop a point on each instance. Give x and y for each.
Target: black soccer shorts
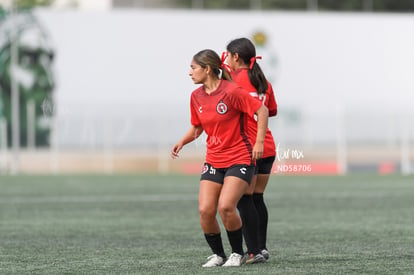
(264, 166)
(242, 171)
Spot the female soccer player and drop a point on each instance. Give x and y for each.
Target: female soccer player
(253, 211)
(220, 108)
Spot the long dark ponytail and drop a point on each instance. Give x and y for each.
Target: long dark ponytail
(247, 52)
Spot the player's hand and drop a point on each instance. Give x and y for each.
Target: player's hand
(175, 150)
(257, 151)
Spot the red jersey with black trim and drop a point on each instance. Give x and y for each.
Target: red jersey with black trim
(223, 116)
(241, 78)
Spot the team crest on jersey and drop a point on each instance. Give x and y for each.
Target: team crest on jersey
(221, 108)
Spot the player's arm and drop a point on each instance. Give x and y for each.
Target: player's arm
(262, 118)
(192, 133)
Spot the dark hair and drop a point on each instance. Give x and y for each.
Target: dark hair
(210, 58)
(246, 51)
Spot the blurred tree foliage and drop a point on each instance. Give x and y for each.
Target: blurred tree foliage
(328, 5)
(394, 5)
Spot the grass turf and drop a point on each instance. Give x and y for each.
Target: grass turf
(148, 224)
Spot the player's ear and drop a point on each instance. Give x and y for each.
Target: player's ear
(207, 69)
(236, 57)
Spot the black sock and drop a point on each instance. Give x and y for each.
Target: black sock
(262, 219)
(250, 221)
(236, 241)
(215, 243)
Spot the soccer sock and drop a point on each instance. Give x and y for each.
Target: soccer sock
(215, 243)
(236, 241)
(250, 221)
(262, 218)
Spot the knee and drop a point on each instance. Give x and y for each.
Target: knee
(207, 213)
(226, 210)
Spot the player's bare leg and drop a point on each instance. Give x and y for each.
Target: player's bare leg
(261, 183)
(207, 204)
(233, 189)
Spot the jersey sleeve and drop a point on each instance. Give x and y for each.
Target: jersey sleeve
(244, 102)
(194, 114)
(271, 104)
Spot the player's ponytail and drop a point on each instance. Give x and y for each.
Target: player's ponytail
(257, 77)
(247, 53)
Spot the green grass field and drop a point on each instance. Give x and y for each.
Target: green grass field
(148, 224)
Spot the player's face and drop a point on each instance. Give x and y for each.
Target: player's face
(197, 73)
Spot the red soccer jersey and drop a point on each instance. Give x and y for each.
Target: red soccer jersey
(223, 116)
(241, 77)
